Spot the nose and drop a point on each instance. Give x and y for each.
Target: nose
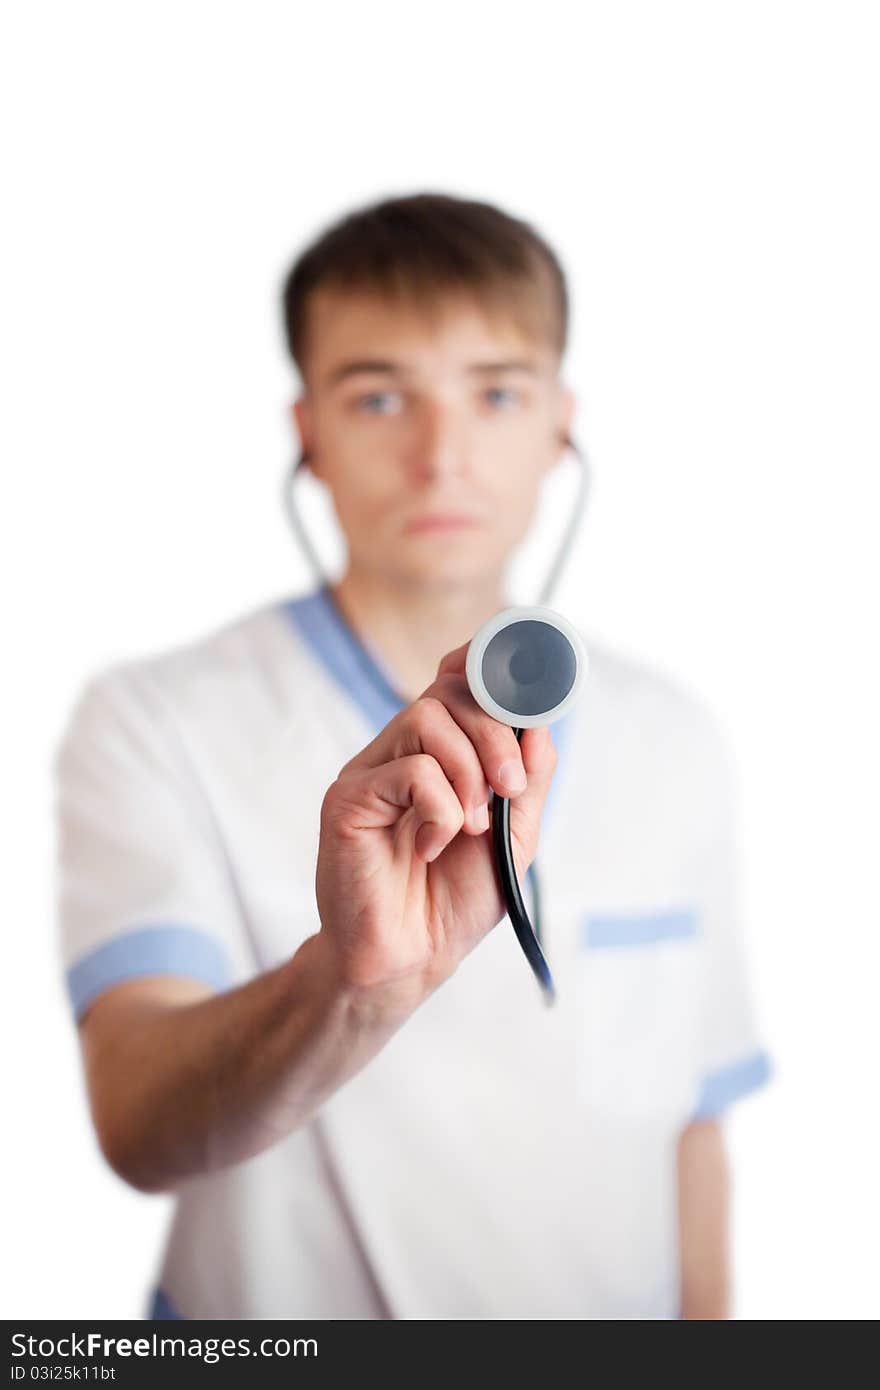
(440, 445)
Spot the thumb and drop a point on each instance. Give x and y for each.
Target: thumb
(540, 759)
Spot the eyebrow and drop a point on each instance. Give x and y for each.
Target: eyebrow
(347, 369)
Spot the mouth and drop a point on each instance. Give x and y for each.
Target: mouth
(441, 521)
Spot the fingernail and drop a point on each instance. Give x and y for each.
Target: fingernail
(511, 776)
(480, 816)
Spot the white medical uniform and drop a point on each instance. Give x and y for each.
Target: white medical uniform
(498, 1158)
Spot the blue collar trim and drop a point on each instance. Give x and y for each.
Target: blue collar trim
(364, 677)
(345, 655)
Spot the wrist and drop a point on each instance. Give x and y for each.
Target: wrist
(383, 1006)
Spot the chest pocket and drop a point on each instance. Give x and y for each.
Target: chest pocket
(638, 976)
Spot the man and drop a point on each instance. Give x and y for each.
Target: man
(301, 1007)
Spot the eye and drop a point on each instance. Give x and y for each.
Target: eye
(376, 402)
(495, 391)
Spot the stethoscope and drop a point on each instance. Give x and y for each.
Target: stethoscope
(525, 666)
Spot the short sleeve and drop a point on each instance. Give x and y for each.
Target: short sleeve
(142, 884)
(733, 1059)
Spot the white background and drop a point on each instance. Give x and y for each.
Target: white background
(708, 175)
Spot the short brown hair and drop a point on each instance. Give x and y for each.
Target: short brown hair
(425, 246)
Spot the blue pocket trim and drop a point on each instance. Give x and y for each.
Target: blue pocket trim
(637, 928)
(727, 1084)
(162, 1308)
(163, 949)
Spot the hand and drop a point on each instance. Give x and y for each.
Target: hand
(406, 880)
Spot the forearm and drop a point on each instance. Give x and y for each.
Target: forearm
(187, 1090)
(704, 1201)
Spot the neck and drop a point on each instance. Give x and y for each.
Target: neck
(412, 627)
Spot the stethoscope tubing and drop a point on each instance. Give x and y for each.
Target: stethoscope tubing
(526, 934)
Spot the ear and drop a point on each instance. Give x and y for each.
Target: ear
(564, 417)
(301, 414)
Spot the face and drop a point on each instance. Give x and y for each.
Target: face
(432, 432)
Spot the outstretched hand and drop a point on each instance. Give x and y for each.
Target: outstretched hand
(406, 881)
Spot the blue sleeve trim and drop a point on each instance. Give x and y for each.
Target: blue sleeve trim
(161, 1307)
(720, 1088)
(155, 950)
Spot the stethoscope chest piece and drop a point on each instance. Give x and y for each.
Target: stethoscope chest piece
(526, 666)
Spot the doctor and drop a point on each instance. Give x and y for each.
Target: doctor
(301, 1008)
